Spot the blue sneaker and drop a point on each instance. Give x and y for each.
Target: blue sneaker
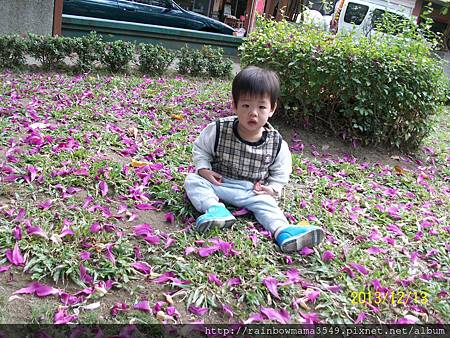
(216, 216)
(293, 238)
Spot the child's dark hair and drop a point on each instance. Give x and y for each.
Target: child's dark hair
(255, 81)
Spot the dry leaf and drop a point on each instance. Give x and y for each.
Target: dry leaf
(138, 164)
(178, 117)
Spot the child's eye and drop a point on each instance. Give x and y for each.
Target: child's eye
(245, 106)
(262, 107)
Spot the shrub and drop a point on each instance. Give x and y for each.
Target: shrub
(13, 49)
(49, 50)
(191, 61)
(89, 50)
(154, 59)
(380, 90)
(216, 64)
(117, 55)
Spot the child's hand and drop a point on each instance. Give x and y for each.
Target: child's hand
(260, 189)
(211, 176)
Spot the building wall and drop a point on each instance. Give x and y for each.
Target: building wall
(24, 16)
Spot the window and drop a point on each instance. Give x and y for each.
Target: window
(395, 21)
(355, 13)
(159, 3)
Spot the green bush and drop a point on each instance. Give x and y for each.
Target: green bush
(117, 55)
(380, 90)
(13, 49)
(89, 50)
(49, 50)
(216, 64)
(154, 59)
(191, 61)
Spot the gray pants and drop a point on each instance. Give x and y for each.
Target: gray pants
(204, 194)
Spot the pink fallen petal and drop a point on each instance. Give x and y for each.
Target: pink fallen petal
(189, 250)
(35, 230)
(305, 251)
(408, 319)
(46, 204)
(172, 311)
(15, 256)
(142, 267)
(61, 317)
(5, 268)
(334, 288)
(234, 281)
(68, 299)
(152, 239)
(45, 290)
(143, 229)
(85, 255)
(87, 201)
(166, 276)
(205, 252)
(361, 317)
(310, 318)
(212, 278)
(122, 209)
(170, 217)
(360, 268)
(32, 171)
(103, 187)
(95, 227)
(374, 250)
(145, 206)
(199, 311)
(84, 276)
(30, 289)
(109, 254)
(169, 242)
(17, 232)
(228, 310)
(313, 295)
(143, 305)
(118, 307)
(327, 256)
(66, 231)
(271, 284)
(281, 316)
(20, 215)
(254, 317)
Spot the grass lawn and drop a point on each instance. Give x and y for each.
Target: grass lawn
(92, 207)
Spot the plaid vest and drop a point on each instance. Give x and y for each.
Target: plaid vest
(242, 160)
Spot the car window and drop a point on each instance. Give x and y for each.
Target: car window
(397, 20)
(159, 3)
(355, 13)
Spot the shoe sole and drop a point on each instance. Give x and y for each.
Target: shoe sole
(309, 239)
(222, 223)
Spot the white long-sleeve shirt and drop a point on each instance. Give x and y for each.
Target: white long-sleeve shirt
(279, 171)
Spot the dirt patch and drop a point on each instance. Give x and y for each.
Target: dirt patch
(319, 145)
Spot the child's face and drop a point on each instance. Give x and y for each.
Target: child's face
(253, 112)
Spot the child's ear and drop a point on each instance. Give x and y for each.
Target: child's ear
(273, 109)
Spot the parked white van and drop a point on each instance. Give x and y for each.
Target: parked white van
(360, 15)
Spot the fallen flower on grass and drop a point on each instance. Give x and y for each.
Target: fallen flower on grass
(305, 251)
(271, 284)
(212, 278)
(327, 256)
(234, 281)
(84, 276)
(228, 310)
(169, 217)
(280, 316)
(15, 256)
(143, 305)
(61, 316)
(103, 186)
(199, 311)
(254, 317)
(360, 268)
(142, 267)
(5, 267)
(38, 289)
(118, 307)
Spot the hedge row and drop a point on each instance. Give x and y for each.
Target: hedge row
(381, 89)
(89, 51)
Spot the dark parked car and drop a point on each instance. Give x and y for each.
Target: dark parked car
(154, 12)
